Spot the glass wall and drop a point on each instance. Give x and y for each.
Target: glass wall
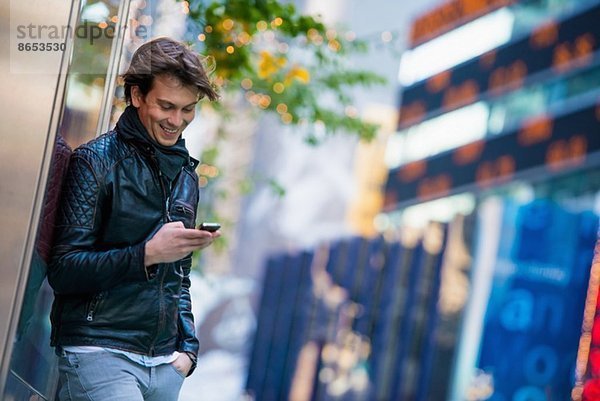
(33, 84)
(97, 32)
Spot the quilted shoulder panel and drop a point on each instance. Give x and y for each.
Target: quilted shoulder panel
(80, 193)
(109, 148)
(87, 170)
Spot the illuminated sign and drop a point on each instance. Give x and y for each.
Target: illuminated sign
(449, 15)
(420, 141)
(447, 51)
(554, 46)
(556, 144)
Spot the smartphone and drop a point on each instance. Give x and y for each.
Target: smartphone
(211, 227)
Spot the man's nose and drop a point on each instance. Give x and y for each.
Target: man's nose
(176, 118)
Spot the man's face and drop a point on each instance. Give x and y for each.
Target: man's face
(167, 109)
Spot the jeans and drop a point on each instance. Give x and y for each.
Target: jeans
(106, 376)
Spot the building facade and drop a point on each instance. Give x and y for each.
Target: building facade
(499, 120)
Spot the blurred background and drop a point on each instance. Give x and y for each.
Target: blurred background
(409, 193)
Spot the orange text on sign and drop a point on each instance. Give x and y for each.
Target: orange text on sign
(566, 153)
(535, 130)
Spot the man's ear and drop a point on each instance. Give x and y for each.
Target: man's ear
(136, 96)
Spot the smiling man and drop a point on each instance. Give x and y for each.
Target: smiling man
(122, 321)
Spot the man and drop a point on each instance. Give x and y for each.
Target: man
(121, 320)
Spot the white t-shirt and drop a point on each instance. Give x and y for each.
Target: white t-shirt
(147, 361)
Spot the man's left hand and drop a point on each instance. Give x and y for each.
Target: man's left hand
(183, 363)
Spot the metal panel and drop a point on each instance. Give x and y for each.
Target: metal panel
(32, 91)
(116, 54)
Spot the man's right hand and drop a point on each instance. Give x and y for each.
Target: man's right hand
(173, 242)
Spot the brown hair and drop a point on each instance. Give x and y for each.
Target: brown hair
(164, 56)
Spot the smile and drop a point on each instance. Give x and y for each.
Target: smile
(169, 131)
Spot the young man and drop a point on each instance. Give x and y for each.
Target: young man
(122, 322)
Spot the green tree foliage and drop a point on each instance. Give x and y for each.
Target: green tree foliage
(283, 62)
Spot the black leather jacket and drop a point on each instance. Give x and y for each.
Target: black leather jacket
(114, 200)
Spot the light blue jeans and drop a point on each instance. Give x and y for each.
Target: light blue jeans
(104, 376)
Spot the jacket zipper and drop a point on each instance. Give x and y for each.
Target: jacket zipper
(92, 307)
(161, 314)
(184, 209)
(166, 197)
(166, 219)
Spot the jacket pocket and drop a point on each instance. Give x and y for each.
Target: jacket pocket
(184, 212)
(93, 306)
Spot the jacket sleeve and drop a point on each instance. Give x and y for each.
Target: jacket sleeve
(185, 320)
(77, 266)
(56, 177)
(185, 323)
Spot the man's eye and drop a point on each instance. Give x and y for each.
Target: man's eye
(188, 110)
(166, 107)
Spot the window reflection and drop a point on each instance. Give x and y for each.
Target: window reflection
(33, 362)
(89, 67)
